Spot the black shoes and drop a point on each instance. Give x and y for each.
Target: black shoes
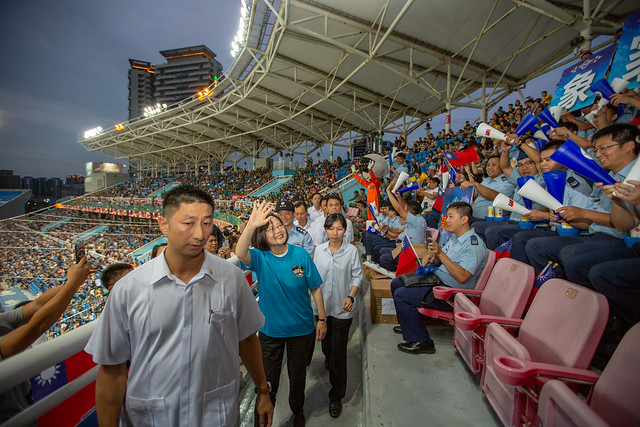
(418, 347)
(335, 409)
(397, 329)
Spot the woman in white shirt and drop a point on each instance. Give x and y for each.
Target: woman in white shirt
(339, 265)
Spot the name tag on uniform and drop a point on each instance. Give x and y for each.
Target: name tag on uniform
(572, 182)
(474, 240)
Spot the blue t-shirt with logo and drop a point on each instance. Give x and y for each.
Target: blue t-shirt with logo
(284, 282)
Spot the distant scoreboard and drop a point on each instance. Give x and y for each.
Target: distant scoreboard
(97, 167)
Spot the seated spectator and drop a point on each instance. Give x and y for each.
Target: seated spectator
(462, 259)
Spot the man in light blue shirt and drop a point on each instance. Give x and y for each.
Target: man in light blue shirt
(496, 180)
(617, 149)
(462, 259)
(297, 235)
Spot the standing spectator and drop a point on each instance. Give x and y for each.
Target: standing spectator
(341, 273)
(187, 295)
(286, 274)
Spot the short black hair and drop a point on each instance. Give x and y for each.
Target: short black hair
(184, 194)
(620, 133)
(112, 273)
(259, 238)
(333, 218)
(463, 209)
(413, 207)
(156, 249)
(334, 196)
(554, 144)
(299, 204)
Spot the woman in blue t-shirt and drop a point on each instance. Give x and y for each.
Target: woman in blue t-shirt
(286, 274)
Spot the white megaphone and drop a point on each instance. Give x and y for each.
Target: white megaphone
(401, 179)
(540, 135)
(503, 202)
(589, 117)
(445, 180)
(486, 131)
(634, 173)
(556, 112)
(533, 191)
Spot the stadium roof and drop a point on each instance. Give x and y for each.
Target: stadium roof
(310, 73)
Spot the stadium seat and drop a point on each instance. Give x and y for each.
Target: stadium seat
(446, 293)
(562, 328)
(505, 295)
(614, 400)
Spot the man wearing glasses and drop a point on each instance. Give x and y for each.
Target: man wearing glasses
(616, 147)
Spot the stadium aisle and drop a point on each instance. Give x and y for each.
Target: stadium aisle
(316, 407)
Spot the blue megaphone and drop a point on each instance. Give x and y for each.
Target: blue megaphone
(413, 186)
(522, 181)
(548, 118)
(603, 87)
(540, 143)
(575, 158)
(556, 182)
(526, 123)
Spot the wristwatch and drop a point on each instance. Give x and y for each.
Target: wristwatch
(322, 320)
(265, 390)
(351, 298)
(568, 135)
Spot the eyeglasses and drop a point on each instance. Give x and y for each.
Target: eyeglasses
(603, 148)
(525, 164)
(273, 229)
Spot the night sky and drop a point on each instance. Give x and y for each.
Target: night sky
(64, 69)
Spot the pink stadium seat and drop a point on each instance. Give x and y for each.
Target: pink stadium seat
(561, 330)
(615, 399)
(446, 293)
(506, 295)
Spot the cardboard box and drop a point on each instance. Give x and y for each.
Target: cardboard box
(382, 307)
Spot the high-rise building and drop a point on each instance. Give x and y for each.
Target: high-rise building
(188, 71)
(141, 78)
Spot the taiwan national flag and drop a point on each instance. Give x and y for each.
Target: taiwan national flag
(504, 250)
(461, 158)
(77, 409)
(408, 259)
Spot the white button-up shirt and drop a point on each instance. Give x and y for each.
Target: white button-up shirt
(182, 341)
(319, 234)
(340, 272)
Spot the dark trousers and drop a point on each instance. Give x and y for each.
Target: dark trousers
(499, 233)
(387, 260)
(299, 353)
(520, 239)
(432, 218)
(334, 348)
(377, 244)
(407, 301)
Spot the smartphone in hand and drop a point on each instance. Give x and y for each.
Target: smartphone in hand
(80, 251)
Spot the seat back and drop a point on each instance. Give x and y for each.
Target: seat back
(616, 396)
(564, 324)
(507, 289)
(505, 294)
(486, 271)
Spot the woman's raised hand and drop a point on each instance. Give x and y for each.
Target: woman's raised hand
(260, 213)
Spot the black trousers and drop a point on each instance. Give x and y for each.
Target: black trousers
(299, 352)
(334, 348)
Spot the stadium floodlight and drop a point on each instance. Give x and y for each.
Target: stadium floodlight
(243, 12)
(93, 132)
(234, 45)
(233, 53)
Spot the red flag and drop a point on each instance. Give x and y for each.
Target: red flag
(408, 259)
(461, 158)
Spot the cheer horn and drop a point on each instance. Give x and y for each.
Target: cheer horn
(526, 123)
(533, 191)
(606, 90)
(574, 157)
(634, 173)
(486, 131)
(556, 182)
(522, 181)
(540, 143)
(423, 177)
(503, 202)
(445, 180)
(401, 179)
(413, 186)
(548, 118)
(540, 135)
